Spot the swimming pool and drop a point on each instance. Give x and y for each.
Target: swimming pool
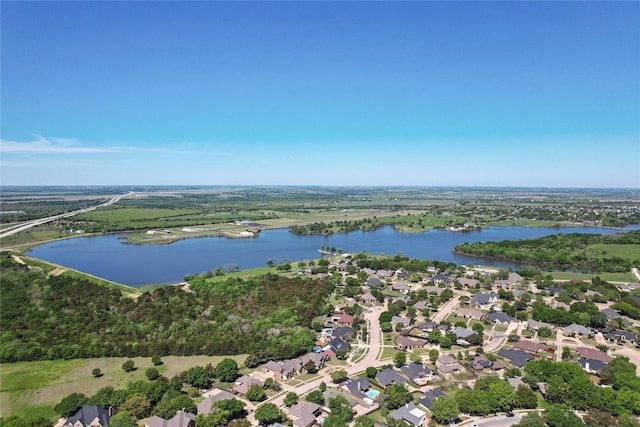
(372, 394)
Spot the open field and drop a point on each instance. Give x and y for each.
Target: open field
(32, 389)
(609, 277)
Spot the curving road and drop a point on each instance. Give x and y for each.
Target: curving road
(34, 222)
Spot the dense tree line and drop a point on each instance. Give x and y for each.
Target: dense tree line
(563, 251)
(66, 317)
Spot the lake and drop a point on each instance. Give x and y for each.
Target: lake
(137, 265)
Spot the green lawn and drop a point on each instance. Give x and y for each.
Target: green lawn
(32, 389)
(609, 277)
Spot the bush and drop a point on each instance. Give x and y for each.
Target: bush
(96, 372)
(156, 360)
(128, 366)
(152, 374)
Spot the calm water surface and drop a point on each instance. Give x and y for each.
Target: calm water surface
(137, 265)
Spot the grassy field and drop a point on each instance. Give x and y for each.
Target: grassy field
(609, 277)
(615, 250)
(32, 389)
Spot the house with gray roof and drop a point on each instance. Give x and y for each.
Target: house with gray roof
(429, 397)
(214, 395)
(180, 419)
(389, 376)
(357, 387)
(421, 305)
(575, 329)
(89, 416)
(434, 290)
(409, 413)
(469, 283)
(516, 382)
(500, 318)
(367, 298)
(591, 366)
(534, 325)
(417, 373)
(610, 313)
(482, 300)
(517, 358)
(242, 384)
(469, 313)
(620, 335)
(342, 331)
(373, 281)
(400, 319)
(463, 332)
(447, 364)
(401, 286)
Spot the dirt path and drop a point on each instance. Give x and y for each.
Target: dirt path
(635, 273)
(57, 271)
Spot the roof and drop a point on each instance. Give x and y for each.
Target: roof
(357, 386)
(416, 370)
(342, 331)
(402, 341)
(470, 312)
(592, 364)
(429, 397)
(180, 419)
(516, 357)
(463, 332)
(373, 281)
(400, 286)
(534, 324)
(337, 344)
(516, 382)
(389, 376)
(409, 413)
(480, 363)
(204, 407)
(87, 414)
(483, 299)
(343, 318)
(574, 327)
(400, 319)
(531, 347)
(499, 317)
(610, 313)
(593, 353)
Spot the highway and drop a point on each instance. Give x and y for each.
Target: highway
(34, 222)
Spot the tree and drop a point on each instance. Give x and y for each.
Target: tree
(268, 413)
(395, 395)
(234, 406)
(532, 419)
(198, 376)
(217, 417)
(445, 409)
(156, 360)
(525, 398)
(545, 332)
(128, 366)
(341, 412)
(445, 342)
(386, 326)
(597, 418)
(371, 372)
(122, 419)
(256, 393)
(322, 387)
(290, 399)
(137, 404)
(433, 355)
(69, 405)
(315, 397)
(561, 416)
(400, 359)
(102, 397)
(363, 421)
(152, 374)
(478, 327)
(502, 396)
(339, 376)
(96, 372)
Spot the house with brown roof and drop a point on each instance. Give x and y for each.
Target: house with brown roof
(211, 397)
(408, 343)
(342, 319)
(305, 414)
(593, 353)
(469, 313)
(401, 286)
(447, 364)
(244, 383)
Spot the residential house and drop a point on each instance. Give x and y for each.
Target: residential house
(282, 370)
(591, 366)
(516, 357)
(213, 396)
(408, 343)
(610, 313)
(619, 335)
(410, 413)
(532, 347)
(342, 319)
(483, 300)
(440, 279)
(357, 387)
(401, 286)
(469, 313)
(591, 294)
(400, 319)
(318, 360)
(468, 283)
(336, 345)
(342, 331)
(427, 326)
(369, 271)
(512, 280)
(421, 305)
(418, 373)
(389, 376)
(384, 274)
(447, 364)
(554, 290)
(575, 329)
(89, 416)
(500, 318)
(516, 382)
(534, 325)
(304, 414)
(180, 419)
(463, 332)
(593, 353)
(434, 290)
(373, 281)
(367, 298)
(557, 304)
(429, 397)
(242, 384)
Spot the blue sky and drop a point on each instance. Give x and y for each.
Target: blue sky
(323, 93)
